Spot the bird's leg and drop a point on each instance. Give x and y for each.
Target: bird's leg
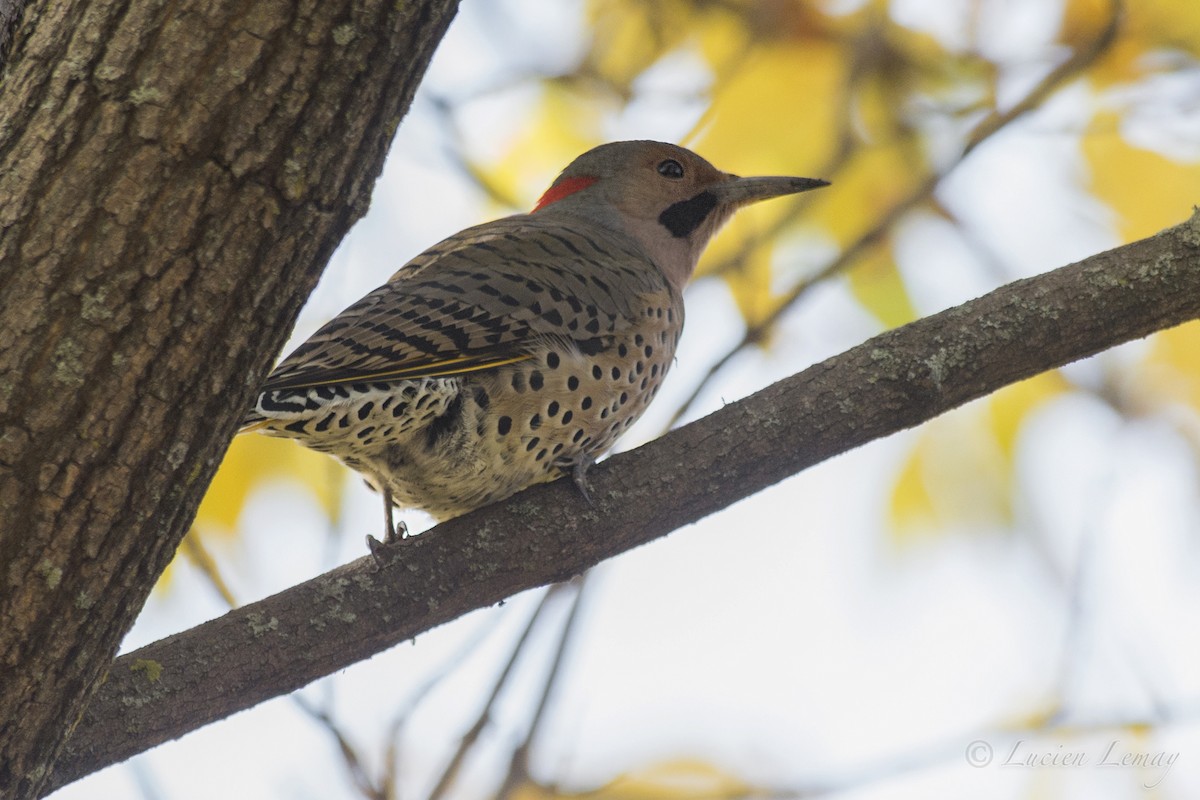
(389, 520)
(579, 477)
(392, 532)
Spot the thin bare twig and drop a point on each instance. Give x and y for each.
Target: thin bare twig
(350, 757)
(986, 128)
(518, 770)
(192, 548)
(388, 782)
(485, 715)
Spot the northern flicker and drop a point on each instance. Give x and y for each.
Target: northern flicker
(520, 349)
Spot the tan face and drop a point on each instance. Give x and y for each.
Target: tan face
(668, 199)
(649, 180)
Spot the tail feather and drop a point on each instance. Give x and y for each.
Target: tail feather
(254, 419)
(253, 422)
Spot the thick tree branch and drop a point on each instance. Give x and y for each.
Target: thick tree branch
(892, 382)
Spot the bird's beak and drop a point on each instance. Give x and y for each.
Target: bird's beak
(737, 191)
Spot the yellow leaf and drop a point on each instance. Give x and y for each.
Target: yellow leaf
(251, 458)
(628, 36)
(776, 110)
(960, 472)
(749, 274)
(877, 283)
(1146, 26)
(1035, 718)
(683, 779)
(677, 780)
(567, 123)
(1009, 407)
(1083, 20)
(1162, 24)
(1171, 370)
(1147, 190)
(870, 185)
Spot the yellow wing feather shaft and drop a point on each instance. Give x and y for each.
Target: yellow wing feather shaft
(436, 369)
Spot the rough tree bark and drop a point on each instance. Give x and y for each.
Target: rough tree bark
(173, 178)
(894, 381)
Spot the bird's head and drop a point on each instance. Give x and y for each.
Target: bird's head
(668, 199)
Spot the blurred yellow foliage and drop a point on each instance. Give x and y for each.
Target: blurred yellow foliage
(1146, 190)
(878, 285)
(671, 780)
(1170, 372)
(563, 127)
(251, 458)
(251, 461)
(960, 472)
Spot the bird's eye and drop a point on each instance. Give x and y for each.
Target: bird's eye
(670, 169)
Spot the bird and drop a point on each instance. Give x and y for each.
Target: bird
(516, 351)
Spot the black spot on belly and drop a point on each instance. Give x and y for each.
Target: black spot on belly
(504, 425)
(441, 426)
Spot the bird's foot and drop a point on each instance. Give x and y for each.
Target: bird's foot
(395, 534)
(579, 478)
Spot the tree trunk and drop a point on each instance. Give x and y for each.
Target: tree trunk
(173, 178)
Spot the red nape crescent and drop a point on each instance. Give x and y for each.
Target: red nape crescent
(564, 188)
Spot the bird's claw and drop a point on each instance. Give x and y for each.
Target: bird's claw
(394, 535)
(579, 478)
(393, 532)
